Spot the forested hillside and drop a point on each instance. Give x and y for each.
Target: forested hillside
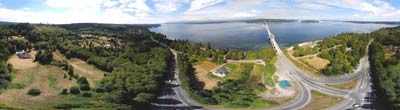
(136, 64)
(386, 71)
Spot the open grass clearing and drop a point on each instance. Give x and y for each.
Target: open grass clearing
(240, 72)
(347, 85)
(316, 62)
(307, 69)
(37, 77)
(320, 101)
(388, 53)
(93, 74)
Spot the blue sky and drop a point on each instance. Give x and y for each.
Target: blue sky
(160, 11)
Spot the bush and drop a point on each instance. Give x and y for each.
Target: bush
(64, 91)
(4, 83)
(100, 90)
(74, 90)
(70, 70)
(82, 80)
(67, 106)
(44, 57)
(86, 94)
(76, 76)
(84, 87)
(34, 92)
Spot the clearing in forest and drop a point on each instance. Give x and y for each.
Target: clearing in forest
(202, 71)
(48, 79)
(93, 74)
(316, 62)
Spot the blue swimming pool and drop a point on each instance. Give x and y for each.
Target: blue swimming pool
(284, 83)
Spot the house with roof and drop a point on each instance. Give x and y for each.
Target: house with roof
(220, 71)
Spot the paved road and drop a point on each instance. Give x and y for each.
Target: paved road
(353, 97)
(175, 98)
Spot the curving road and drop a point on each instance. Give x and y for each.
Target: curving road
(306, 83)
(174, 97)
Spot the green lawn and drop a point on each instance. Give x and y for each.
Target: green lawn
(53, 82)
(269, 72)
(395, 69)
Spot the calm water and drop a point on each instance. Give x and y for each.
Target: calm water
(252, 36)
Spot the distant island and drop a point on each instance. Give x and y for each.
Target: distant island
(369, 22)
(269, 20)
(309, 21)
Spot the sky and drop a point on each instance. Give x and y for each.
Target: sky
(162, 11)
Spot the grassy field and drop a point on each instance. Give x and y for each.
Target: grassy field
(320, 101)
(93, 74)
(308, 70)
(348, 85)
(316, 62)
(45, 78)
(48, 79)
(240, 72)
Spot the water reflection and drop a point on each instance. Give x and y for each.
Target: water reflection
(252, 36)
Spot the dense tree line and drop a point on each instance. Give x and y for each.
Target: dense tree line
(343, 51)
(300, 51)
(199, 52)
(386, 81)
(5, 69)
(9, 47)
(136, 68)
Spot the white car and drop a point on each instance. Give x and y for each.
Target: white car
(356, 105)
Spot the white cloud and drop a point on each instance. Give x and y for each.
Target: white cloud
(166, 6)
(26, 8)
(368, 10)
(76, 11)
(240, 4)
(110, 3)
(200, 4)
(139, 7)
(313, 6)
(74, 4)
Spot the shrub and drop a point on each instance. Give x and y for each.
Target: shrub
(74, 90)
(4, 83)
(34, 92)
(82, 80)
(44, 56)
(76, 76)
(70, 70)
(67, 106)
(64, 91)
(84, 87)
(100, 90)
(86, 94)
